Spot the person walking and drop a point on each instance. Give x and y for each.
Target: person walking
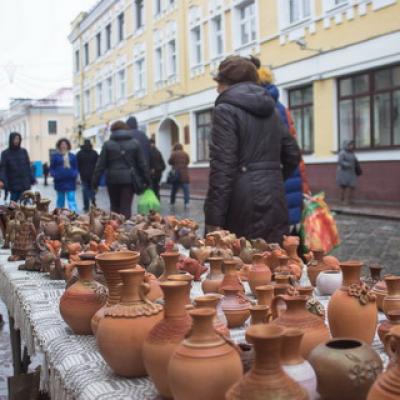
(15, 168)
(157, 167)
(179, 162)
(123, 162)
(251, 153)
(87, 159)
(64, 170)
(141, 137)
(347, 171)
(46, 171)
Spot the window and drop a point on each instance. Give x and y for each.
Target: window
(157, 7)
(109, 90)
(77, 62)
(121, 86)
(369, 108)
(77, 105)
(52, 127)
(86, 102)
(217, 37)
(99, 95)
(86, 53)
(139, 79)
(301, 108)
(98, 44)
(195, 46)
(159, 64)
(203, 131)
(247, 23)
(108, 37)
(121, 27)
(299, 10)
(139, 14)
(171, 55)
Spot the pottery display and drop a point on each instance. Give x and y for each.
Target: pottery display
(380, 291)
(291, 245)
(266, 380)
(235, 307)
(281, 289)
(204, 365)
(391, 301)
(316, 265)
(351, 310)
(295, 365)
(183, 278)
(345, 369)
(286, 267)
(393, 319)
(81, 300)
(258, 274)
(165, 336)
(231, 278)
(259, 314)
(265, 294)
(387, 386)
(213, 281)
(328, 282)
(123, 329)
(297, 316)
(170, 260)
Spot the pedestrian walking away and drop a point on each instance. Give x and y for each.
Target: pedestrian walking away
(157, 167)
(179, 162)
(15, 168)
(87, 159)
(46, 171)
(126, 170)
(141, 137)
(64, 170)
(251, 152)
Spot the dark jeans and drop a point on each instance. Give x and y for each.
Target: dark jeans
(121, 197)
(15, 196)
(89, 196)
(174, 189)
(155, 184)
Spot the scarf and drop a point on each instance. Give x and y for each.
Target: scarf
(66, 160)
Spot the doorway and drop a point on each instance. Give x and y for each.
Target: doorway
(168, 136)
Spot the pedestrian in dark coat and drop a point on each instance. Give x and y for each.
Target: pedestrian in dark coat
(64, 170)
(122, 160)
(141, 137)
(346, 176)
(180, 161)
(251, 153)
(157, 167)
(87, 159)
(15, 168)
(46, 171)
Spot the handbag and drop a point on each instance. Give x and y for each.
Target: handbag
(358, 168)
(173, 177)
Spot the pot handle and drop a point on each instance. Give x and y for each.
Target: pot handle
(390, 346)
(274, 305)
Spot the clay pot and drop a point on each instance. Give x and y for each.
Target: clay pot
(155, 290)
(305, 290)
(214, 279)
(328, 282)
(259, 273)
(204, 365)
(52, 230)
(201, 254)
(123, 329)
(166, 335)
(213, 301)
(345, 368)
(286, 268)
(393, 319)
(81, 300)
(297, 316)
(282, 279)
(281, 289)
(391, 302)
(264, 295)
(351, 310)
(387, 386)
(235, 307)
(110, 264)
(266, 380)
(294, 364)
(259, 314)
(170, 258)
(316, 266)
(380, 292)
(183, 278)
(230, 279)
(291, 244)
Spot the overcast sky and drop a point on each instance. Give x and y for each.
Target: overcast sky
(33, 37)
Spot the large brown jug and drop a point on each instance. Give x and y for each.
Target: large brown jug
(352, 310)
(391, 301)
(266, 380)
(166, 335)
(213, 281)
(170, 258)
(259, 273)
(231, 278)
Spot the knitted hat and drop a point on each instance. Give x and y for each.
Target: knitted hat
(265, 75)
(236, 69)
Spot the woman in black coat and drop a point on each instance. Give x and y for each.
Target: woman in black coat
(251, 152)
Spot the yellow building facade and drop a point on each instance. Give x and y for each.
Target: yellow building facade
(336, 63)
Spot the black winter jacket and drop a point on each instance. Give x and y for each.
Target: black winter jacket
(251, 152)
(141, 137)
(87, 159)
(114, 158)
(15, 168)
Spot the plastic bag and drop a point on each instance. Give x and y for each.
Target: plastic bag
(148, 201)
(318, 230)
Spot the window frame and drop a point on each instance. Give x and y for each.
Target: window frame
(140, 14)
(139, 73)
(86, 54)
(302, 16)
(215, 34)
(252, 22)
(172, 59)
(108, 33)
(121, 26)
(196, 45)
(197, 128)
(77, 60)
(98, 45)
(50, 131)
(86, 102)
(99, 95)
(121, 83)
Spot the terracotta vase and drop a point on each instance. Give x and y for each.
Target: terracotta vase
(282, 280)
(266, 380)
(123, 329)
(345, 368)
(259, 314)
(281, 289)
(166, 335)
(286, 267)
(183, 278)
(170, 258)
(374, 275)
(213, 281)
(351, 310)
(291, 245)
(259, 273)
(328, 282)
(235, 307)
(295, 365)
(81, 300)
(231, 278)
(393, 319)
(387, 386)
(110, 264)
(214, 301)
(264, 295)
(155, 290)
(391, 302)
(315, 266)
(297, 316)
(204, 365)
(380, 292)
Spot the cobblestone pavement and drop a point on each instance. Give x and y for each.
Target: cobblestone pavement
(368, 239)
